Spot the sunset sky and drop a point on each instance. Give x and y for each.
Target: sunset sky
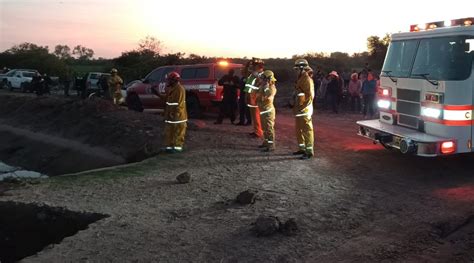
(217, 28)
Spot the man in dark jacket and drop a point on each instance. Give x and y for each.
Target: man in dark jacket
(37, 83)
(47, 84)
(229, 101)
(104, 86)
(332, 91)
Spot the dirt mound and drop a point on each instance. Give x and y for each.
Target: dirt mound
(96, 123)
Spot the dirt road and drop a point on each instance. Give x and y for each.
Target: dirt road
(355, 202)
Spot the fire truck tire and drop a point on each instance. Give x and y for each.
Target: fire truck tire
(193, 107)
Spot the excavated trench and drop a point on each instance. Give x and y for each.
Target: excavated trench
(26, 229)
(55, 136)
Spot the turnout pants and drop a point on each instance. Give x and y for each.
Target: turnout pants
(268, 125)
(305, 134)
(255, 116)
(117, 97)
(174, 135)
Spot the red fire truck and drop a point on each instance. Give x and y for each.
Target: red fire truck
(426, 94)
(200, 82)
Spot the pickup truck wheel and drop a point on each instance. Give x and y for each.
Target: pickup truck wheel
(133, 102)
(193, 107)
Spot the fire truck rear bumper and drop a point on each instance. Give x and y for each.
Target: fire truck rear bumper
(406, 140)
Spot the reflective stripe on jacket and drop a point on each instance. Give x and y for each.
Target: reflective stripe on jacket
(304, 90)
(175, 111)
(266, 96)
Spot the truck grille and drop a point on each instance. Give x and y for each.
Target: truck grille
(408, 107)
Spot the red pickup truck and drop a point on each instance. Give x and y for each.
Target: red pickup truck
(200, 82)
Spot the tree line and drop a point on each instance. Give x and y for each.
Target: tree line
(64, 61)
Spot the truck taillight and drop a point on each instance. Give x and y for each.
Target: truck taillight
(448, 147)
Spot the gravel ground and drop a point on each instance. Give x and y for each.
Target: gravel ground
(355, 202)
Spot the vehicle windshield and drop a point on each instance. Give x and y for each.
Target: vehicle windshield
(94, 76)
(446, 58)
(222, 71)
(29, 74)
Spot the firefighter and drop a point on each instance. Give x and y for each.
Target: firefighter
(37, 83)
(303, 109)
(251, 88)
(115, 86)
(103, 85)
(266, 95)
(175, 113)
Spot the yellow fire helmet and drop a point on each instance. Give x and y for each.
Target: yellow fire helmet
(268, 74)
(301, 63)
(114, 70)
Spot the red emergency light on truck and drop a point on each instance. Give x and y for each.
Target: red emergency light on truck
(426, 94)
(200, 82)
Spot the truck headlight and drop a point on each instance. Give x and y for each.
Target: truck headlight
(383, 104)
(431, 112)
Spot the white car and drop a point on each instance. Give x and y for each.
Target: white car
(92, 80)
(18, 78)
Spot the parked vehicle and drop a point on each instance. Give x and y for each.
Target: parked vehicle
(426, 98)
(92, 80)
(200, 82)
(18, 79)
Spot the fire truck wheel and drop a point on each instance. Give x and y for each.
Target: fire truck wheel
(193, 107)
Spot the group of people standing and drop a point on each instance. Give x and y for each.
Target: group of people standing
(109, 86)
(256, 103)
(255, 93)
(363, 85)
(40, 84)
(361, 91)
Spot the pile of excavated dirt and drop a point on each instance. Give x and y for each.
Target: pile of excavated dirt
(56, 135)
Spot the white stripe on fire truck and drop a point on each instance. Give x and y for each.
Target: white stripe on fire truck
(457, 115)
